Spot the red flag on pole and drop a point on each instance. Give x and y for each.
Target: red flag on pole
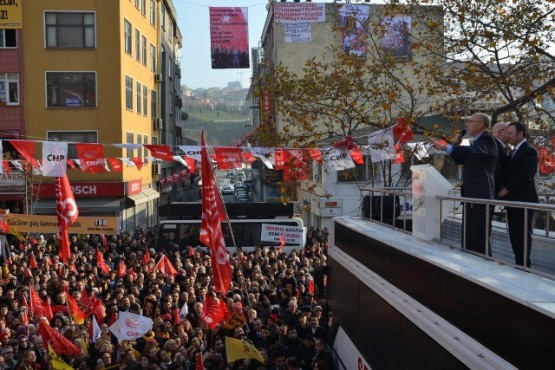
(101, 264)
(166, 267)
(211, 230)
(32, 261)
(67, 211)
(146, 257)
(60, 344)
(212, 312)
(122, 269)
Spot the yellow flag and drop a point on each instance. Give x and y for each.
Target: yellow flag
(238, 349)
(56, 361)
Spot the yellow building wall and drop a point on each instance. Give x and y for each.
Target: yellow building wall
(110, 62)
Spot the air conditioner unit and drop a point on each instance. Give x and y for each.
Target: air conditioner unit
(157, 77)
(156, 169)
(158, 123)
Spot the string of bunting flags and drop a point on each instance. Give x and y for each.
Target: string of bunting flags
(382, 145)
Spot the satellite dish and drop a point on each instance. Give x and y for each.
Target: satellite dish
(184, 116)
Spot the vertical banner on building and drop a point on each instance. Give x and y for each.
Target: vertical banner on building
(229, 37)
(397, 36)
(353, 20)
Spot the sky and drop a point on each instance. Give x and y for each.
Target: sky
(193, 22)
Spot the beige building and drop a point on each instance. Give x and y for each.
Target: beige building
(297, 32)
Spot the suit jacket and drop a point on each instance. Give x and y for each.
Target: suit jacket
(520, 176)
(479, 161)
(502, 166)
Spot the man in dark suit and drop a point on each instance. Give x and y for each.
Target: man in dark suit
(478, 160)
(520, 186)
(499, 132)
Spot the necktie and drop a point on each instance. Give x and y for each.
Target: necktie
(508, 150)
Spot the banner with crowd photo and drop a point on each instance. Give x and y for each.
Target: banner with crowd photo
(229, 37)
(353, 20)
(397, 39)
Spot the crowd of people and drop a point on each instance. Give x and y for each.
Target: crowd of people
(280, 295)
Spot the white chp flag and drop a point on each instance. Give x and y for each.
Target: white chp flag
(382, 145)
(54, 158)
(337, 159)
(191, 151)
(130, 326)
(184, 311)
(96, 332)
(266, 155)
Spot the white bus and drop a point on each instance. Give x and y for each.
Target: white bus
(253, 224)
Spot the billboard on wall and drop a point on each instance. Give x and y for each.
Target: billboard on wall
(11, 14)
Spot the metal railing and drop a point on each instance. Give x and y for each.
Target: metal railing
(392, 207)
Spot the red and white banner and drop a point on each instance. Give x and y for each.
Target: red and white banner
(228, 158)
(54, 158)
(130, 326)
(299, 13)
(161, 151)
(213, 212)
(229, 37)
(67, 212)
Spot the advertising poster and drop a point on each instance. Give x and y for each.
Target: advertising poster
(229, 37)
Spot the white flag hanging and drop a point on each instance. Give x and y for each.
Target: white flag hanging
(54, 158)
(130, 326)
(96, 332)
(382, 145)
(192, 151)
(184, 311)
(266, 155)
(337, 159)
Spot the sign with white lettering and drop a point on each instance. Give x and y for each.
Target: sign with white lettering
(291, 234)
(300, 12)
(298, 33)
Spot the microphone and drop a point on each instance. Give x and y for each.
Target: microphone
(458, 138)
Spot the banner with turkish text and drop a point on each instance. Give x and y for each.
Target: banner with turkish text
(229, 37)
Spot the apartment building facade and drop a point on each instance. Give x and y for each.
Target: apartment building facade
(89, 71)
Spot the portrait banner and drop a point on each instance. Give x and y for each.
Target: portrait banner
(229, 37)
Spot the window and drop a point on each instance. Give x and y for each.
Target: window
(144, 50)
(73, 136)
(71, 89)
(362, 172)
(153, 12)
(128, 93)
(153, 104)
(137, 3)
(137, 44)
(69, 30)
(141, 148)
(143, 7)
(163, 16)
(9, 89)
(170, 67)
(145, 100)
(129, 140)
(128, 37)
(8, 39)
(139, 98)
(152, 58)
(145, 142)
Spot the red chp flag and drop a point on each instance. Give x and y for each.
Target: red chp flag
(101, 263)
(228, 158)
(212, 312)
(91, 157)
(60, 344)
(67, 211)
(166, 267)
(211, 230)
(162, 152)
(26, 148)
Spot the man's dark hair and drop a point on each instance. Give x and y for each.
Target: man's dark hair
(520, 127)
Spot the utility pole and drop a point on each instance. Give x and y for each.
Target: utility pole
(241, 81)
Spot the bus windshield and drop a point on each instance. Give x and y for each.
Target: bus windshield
(247, 233)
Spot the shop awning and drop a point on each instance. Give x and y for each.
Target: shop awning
(143, 197)
(84, 205)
